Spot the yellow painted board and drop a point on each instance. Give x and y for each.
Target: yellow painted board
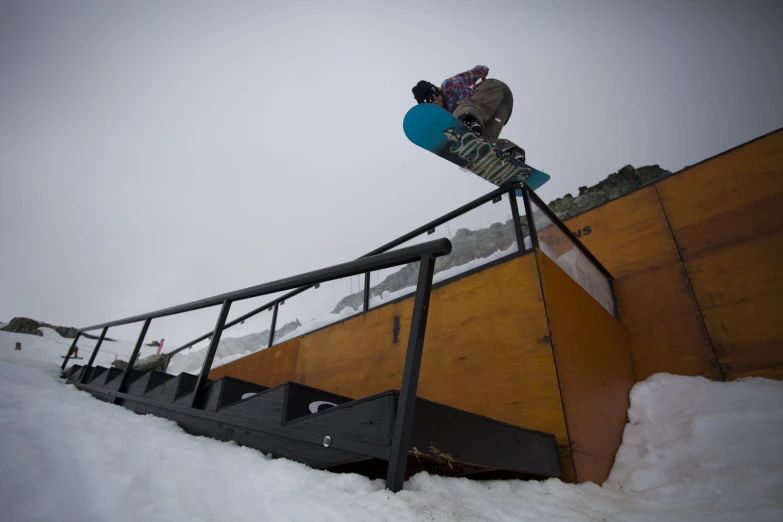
(593, 364)
(728, 184)
(486, 350)
(628, 235)
(665, 328)
(739, 272)
(268, 367)
(748, 335)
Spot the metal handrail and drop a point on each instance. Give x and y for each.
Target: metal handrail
(437, 247)
(424, 253)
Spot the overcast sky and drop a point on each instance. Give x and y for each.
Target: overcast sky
(153, 153)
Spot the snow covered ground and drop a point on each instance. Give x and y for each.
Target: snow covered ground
(694, 450)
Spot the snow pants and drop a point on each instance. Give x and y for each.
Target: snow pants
(491, 104)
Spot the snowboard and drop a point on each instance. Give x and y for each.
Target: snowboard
(435, 129)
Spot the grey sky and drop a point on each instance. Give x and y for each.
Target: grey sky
(153, 153)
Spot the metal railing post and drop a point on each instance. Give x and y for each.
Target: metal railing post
(136, 349)
(273, 325)
(86, 369)
(531, 222)
(198, 391)
(410, 378)
(366, 305)
(70, 351)
(512, 196)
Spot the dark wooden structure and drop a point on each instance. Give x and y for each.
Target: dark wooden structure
(325, 430)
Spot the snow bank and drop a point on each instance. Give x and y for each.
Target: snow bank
(692, 438)
(694, 451)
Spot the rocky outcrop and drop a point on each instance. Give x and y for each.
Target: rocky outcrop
(23, 325)
(616, 185)
(153, 362)
(29, 326)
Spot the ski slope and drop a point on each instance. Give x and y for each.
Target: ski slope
(694, 450)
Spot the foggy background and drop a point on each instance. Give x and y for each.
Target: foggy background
(154, 153)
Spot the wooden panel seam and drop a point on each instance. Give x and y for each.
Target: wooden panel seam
(689, 279)
(538, 252)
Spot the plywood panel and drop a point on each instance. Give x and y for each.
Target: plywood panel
(268, 367)
(749, 335)
(738, 272)
(774, 372)
(358, 357)
(593, 363)
(486, 350)
(732, 183)
(631, 238)
(628, 235)
(591, 468)
(491, 336)
(664, 326)
(727, 217)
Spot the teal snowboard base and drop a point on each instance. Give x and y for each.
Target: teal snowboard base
(436, 130)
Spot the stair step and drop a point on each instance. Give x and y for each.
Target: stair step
(72, 372)
(173, 389)
(370, 419)
(444, 440)
(95, 373)
(465, 437)
(107, 376)
(147, 382)
(223, 392)
(114, 383)
(284, 403)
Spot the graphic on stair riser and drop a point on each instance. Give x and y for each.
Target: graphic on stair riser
(317, 406)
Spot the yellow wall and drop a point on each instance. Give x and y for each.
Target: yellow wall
(695, 259)
(594, 370)
(487, 351)
(726, 215)
(631, 238)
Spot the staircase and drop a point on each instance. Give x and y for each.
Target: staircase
(394, 429)
(325, 430)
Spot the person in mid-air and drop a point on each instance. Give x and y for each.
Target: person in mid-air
(483, 105)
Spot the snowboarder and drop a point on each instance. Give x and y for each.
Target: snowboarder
(483, 107)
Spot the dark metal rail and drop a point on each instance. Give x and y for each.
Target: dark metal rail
(402, 256)
(424, 253)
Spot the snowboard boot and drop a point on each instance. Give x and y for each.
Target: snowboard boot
(473, 124)
(517, 153)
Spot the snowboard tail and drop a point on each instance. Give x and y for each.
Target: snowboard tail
(438, 131)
